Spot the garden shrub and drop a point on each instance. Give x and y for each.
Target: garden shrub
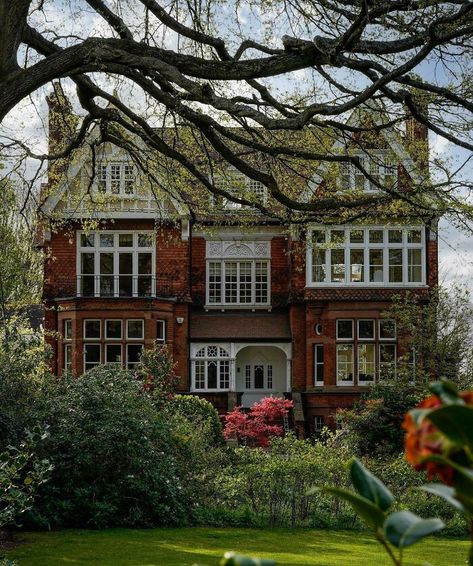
(200, 413)
(113, 454)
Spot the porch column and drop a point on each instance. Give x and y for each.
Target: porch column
(288, 375)
(232, 375)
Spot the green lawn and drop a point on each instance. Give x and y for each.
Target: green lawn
(184, 547)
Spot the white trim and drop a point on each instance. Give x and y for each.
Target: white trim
(114, 344)
(95, 364)
(366, 381)
(319, 363)
(142, 327)
(352, 337)
(133, 344)
(121, 328)
(86, 320)
(161, 324)
(371, 338)
(344, 383)
(366, 246)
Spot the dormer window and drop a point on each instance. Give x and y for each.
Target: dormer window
(380, 165)
(116, 178)
(240, 186)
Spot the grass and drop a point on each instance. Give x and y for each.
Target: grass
(187, 546)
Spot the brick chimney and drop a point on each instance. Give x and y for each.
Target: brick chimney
(417, 134)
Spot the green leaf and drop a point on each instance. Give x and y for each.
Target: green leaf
(369, 486)
(403, 528)
(233, 559)
(368, 511)
(445, 492)
(455, 422)
(447, 392)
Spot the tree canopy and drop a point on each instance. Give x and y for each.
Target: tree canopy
(277, 79)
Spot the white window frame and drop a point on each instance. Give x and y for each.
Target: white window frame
(239, 185)
(85, 354)
(99, 320)
(346, 383)
(380, 363)
(206, 359)
(121, 328)
(127, 345)
(382, 160)
(122, 164)
(223, 283)
(67, 330)
(352, 337)
(142, 337)
(161, 329)
(114, 344)
(268, 377)
(371, 338)
(366, 382)
(405, 245)
(319, 363)
(391, 338)
(67, 357)
(97, 249)
(317, 427)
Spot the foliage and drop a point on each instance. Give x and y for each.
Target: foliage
(200, 413)
(23, 372)
(440, 331)
(21, 473)
(156, 370)
(260, 423)
(113, 454)
(373, 426)
(20, 262)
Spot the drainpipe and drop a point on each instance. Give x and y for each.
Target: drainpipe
(189, 364)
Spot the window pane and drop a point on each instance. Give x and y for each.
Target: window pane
(199, 374)
(145, 240)
(133, 354)
(125, 263)
(357, 236)
(87, 263)
(67, 334)
(376, 266)
(345, 363)
(414, 236)
(387, 329)
(106, 240)
(145, 286)
(224, 374)
(366, 363)
(248, 377)
(212, 375)
(215, 282)
(395, 266)
(337, 237)
(87, 240)
(91, 355)
(125, 240)
(161, 331)
(319, 363)
(231, 286)
(395, 236)
(135, 329)
(67, 357)
(113, 353)
(318, 265)
(245, 282)
(345, 329)
(387, 361)
(129, 171)
(318, 236)
(87, 286)
(92, 329)
(113, 329)
(357, 260)
(376, 236)
(366, 330)
(115, 175)
(106, 263)
(261, 282)
(144, 263)
(338, 265)
(414, 263)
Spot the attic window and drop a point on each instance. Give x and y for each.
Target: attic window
(116, 178)
(380, 165)
(240, 186)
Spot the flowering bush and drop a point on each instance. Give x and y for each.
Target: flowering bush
(260, 423)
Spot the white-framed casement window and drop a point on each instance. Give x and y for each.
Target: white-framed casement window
(345, 364)
(116, 178)
(92, 329)
(372, 256)
(114, 329)
(366, 363)
(161, 331)
(133, 353)
(92, 355)
(238, 185)
(238, 274)
(135, 329)
(116, 264)
(319, 423)
(67, 345)
(113, 354)
(211, 369)
(258, 376)
(381, 165)
(318, 364)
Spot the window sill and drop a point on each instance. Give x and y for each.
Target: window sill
(366, 286)
(230, 307)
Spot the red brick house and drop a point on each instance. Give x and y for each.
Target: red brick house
(246, 311)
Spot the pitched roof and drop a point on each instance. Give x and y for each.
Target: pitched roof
(258, 327)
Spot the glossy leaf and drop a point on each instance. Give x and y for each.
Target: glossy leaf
(447, 392)
(368, 511)
(369, 486)
(233, 559)
(403, 528)
(445, 492)
(455, 422)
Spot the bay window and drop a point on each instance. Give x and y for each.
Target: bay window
(116, 264)
(238, 282)
(366, 256)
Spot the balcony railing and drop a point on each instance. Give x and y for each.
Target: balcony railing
(108, 286)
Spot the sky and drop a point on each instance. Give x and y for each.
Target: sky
(28, 121)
